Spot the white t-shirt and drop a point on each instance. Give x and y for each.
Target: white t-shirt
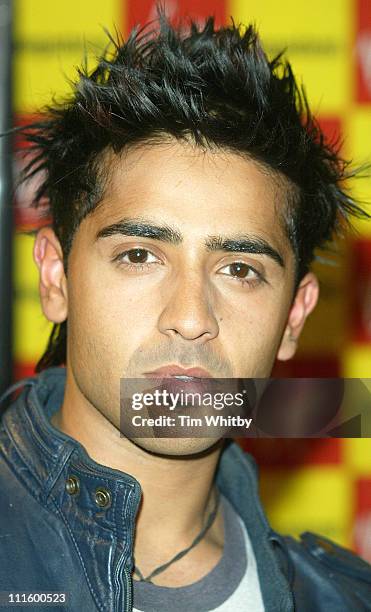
(231, 586)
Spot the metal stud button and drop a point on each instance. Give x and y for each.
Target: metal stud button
(102, 497)
(72, 485)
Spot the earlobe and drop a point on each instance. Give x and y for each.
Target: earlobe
(305, 301)
(48, 256)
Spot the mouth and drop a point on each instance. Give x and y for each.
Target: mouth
(186, 378)
(179, 373)
(175, 379)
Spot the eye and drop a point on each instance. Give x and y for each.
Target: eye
(136, 258)
(242, 272)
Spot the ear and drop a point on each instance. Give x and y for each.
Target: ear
(305, 300)
(48, 256)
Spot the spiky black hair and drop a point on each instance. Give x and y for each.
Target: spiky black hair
(214, 86)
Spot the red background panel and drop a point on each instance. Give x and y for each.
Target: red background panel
(360, 298)
(144, 11)
(332, 127)
(362, 525)
(292, 453)
(363, 51)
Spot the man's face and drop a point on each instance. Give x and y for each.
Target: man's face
(178, 282)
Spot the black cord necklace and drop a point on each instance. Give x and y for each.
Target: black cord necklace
(181, 554)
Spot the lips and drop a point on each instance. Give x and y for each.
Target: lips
(175, 379)
(174, 370)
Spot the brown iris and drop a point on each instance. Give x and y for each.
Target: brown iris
(137, 255)
(239, 269)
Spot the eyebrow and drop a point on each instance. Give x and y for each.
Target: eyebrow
(241, 243)
(134, 227)
(244, 244)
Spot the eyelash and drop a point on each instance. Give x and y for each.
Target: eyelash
(141, 267)
(257, 280)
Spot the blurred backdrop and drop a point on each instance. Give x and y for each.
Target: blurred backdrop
(318, 485)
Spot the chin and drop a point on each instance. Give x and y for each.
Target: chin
(178, 447)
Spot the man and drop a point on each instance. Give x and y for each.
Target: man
(188, 187)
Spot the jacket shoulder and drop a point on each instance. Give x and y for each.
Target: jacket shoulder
(326, 571)
(336, 557)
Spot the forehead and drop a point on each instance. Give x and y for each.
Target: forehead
(204, 191)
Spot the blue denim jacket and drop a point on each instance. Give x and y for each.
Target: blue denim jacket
(67, 523)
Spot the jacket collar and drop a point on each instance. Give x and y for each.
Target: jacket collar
(237, 480)
(50, 455)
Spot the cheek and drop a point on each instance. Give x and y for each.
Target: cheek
(111, 317)
(252, 335)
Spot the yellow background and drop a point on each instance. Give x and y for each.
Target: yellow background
(50, 41)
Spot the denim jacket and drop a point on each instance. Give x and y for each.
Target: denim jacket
(67, 523)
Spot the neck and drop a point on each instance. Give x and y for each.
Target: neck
(177, 492)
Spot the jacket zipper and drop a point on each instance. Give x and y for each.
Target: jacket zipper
(124, 583)
(128, 579)
(120, 583)
(129, 590)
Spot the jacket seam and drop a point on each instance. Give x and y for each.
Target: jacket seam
(23, 460)
(36, 436)
(128, 515)
(78, 552)
(82, 467)
(19, 452)
(88, 471)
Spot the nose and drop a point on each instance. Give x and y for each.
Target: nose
(188, 311)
